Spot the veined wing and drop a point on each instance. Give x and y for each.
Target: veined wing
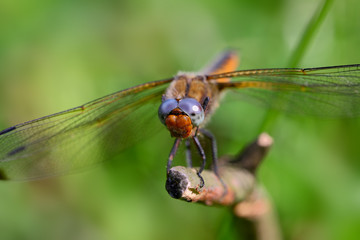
(325, 91)
(73, 139)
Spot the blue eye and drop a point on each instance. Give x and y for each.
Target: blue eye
(165, 108)
(193, 109)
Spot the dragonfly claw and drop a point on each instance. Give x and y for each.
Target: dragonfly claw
(202, 182)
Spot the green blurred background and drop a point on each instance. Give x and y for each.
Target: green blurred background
(59, 54)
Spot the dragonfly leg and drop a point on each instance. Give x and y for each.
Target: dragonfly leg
(202, 154)
(214, 153)
(172, 154)
(188, 153)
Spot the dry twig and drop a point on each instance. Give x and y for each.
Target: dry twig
(255, 218)
(238, 174)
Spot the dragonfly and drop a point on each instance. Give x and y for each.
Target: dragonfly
(73, 139)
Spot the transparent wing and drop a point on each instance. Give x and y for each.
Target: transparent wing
(326, 91)
(79, 137)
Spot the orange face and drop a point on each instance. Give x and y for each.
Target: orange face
(181, 116)
(179, 124)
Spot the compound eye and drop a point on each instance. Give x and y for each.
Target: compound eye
(193, 109)
(165, 108)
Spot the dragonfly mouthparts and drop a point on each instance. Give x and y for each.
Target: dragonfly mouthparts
(179, 124)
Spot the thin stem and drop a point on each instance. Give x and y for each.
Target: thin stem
(309, 34)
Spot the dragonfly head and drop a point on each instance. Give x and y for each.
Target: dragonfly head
(182, 116)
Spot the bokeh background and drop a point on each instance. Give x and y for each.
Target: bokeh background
(57, 54)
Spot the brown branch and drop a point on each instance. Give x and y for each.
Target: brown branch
(237, 173)
(183, 183)
(253, 214)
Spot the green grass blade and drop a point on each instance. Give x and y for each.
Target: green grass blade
(312, 27)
